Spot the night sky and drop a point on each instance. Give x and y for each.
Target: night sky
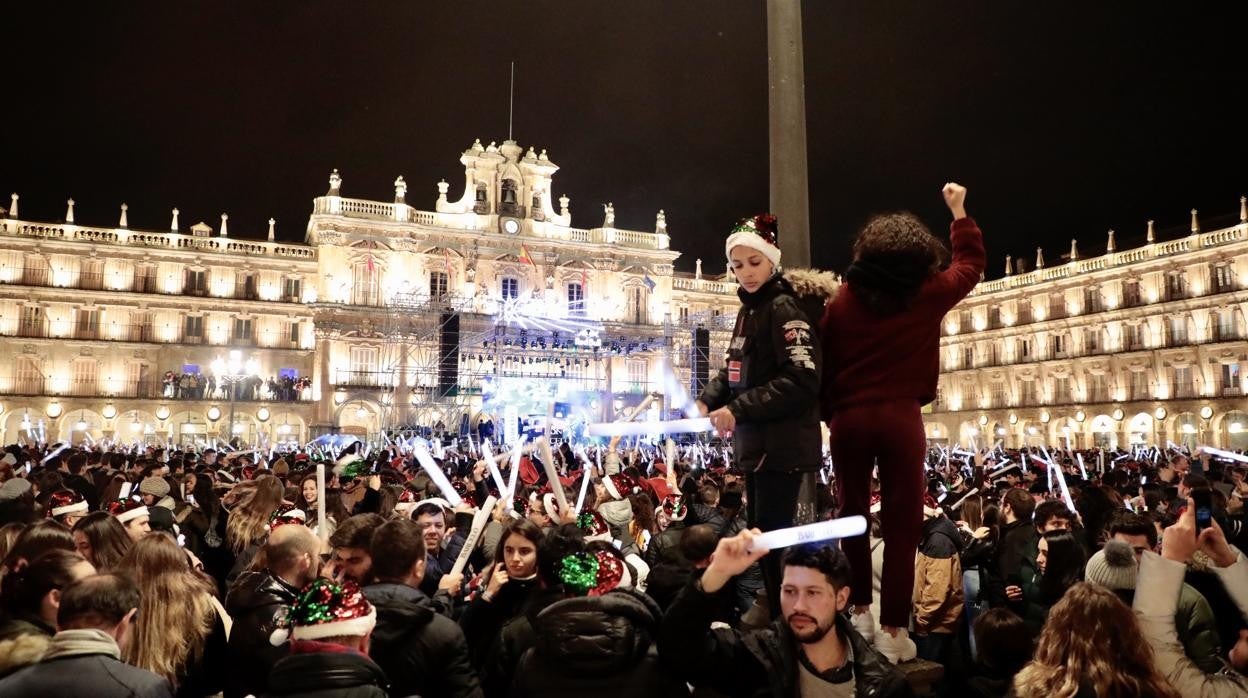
(1063, 120)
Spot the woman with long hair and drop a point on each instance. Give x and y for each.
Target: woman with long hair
(643, 525)
(104, 542)
(508, 586)
(35, 540)
(335, 512)
(1092, 644)
(178, 633)
(881, 350)
(979, 543)
(8, 535)
(250, 505)
(1060, 560)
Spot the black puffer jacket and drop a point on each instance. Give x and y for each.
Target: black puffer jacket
(334, 672)
(596, 646)
(422, 652)
(771, 380)
(758, 663)
(254, 603)
(669, 570)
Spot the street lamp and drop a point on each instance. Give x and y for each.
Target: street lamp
(231, 372)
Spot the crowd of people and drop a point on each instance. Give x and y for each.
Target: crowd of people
(200, 386)
(160, 572)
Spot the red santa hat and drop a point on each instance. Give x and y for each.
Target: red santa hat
(673, 507)
(63, 502)
(757, 233)
(285, 514)
(620, 485)
(594, 526)
(126, 510)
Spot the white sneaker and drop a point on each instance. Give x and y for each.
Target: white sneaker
(864, 623)
(896, 649)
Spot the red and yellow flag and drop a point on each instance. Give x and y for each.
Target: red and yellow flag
(525, 256)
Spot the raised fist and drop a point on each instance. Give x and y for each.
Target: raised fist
(955, 198)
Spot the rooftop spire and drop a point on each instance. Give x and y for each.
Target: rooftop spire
(1039, 258)
(1110, 246)
(69, 211)
(1152, 234)
(13, 206)
(1195, 223)
(1243, 208)
(123, 223)
(1074, 249)
(335, 183)
(271, 224)
(174, 225)
(225, 233)
(1009, 265)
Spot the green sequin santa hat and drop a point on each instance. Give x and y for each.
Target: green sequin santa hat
(326, 608)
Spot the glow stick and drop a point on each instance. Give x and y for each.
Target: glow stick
(823, 530)
(488, 455)
(515, 470)
(1061, 481)
(1224, 454)
(439, 478)
(675, 426)
(479, 520)
(669, 455)
(125, 491)
(580, 499)
(552, 475)
(322, 527)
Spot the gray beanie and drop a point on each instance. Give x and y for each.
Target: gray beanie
(1113, 567)
(14, 488)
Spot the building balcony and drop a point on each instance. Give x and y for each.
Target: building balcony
(144, 334)
(144, 390)
(42, 277)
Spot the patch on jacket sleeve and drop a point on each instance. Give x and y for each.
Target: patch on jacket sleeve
(797, 343)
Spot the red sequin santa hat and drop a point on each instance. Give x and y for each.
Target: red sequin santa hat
(673, 507)
(620, 485)
(285, 514)
(64, 502)
(593, 573)
(875, 503)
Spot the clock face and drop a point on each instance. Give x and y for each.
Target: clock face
(511, 226)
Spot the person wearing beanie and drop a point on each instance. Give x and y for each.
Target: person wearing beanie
(881, 346)
(1116, 568)
(766, 397)
(330, 625)
(153, 489)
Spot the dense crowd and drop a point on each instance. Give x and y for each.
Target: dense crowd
(200, 386)
(163, 572)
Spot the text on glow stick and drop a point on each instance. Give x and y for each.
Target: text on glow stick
(811, 533)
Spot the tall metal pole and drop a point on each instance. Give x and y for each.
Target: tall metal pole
(786, 101)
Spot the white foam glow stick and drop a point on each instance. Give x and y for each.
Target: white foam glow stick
(1049, 471)
(125, 491)
(439, 478)
(1224, 454)
(823, 530)
(580, 499)
(1079, 457)
(515, 470)
(674, 426)
(552, 475)
(669, 455)
(479, 520)
(322, 526)
(1061, 482)
(488, 455)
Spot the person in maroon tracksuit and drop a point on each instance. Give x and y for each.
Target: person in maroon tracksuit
(881, 351)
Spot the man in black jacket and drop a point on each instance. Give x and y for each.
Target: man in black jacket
(422, 652)
(293, 558)
(84, 658)
(811, 649)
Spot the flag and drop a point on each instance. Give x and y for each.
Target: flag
(446, 255)
(584, 284)
(526, 257)
(649, 282)
(369, 262)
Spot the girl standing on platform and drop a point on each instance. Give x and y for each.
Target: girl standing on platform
(767, 394)
(881, 347)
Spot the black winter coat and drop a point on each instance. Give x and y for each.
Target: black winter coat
(85, 676)
(254, 603)
(760, 663)
(422, 652)
(771, 380)
(669, 570)
(331, 674)
(596, 646)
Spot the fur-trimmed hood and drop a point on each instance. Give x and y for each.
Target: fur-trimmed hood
(813, 283)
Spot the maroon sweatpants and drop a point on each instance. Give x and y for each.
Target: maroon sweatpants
(891, 436)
